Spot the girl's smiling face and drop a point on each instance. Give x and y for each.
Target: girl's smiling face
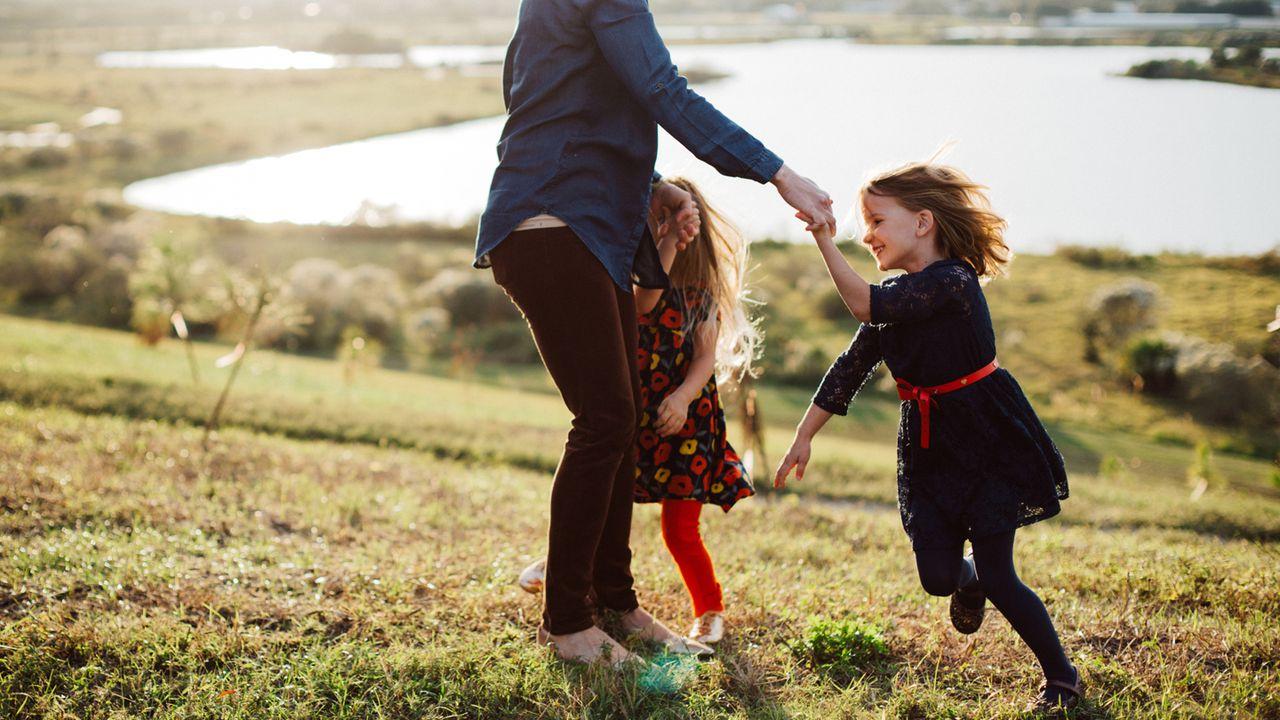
(897, 237)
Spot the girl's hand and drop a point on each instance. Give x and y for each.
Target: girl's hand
(672, 413)
(821, 233)
(797, 457)
(667, 232)
(676, 212)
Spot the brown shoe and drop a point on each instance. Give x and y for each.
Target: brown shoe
(1057, 698)
(964, 617)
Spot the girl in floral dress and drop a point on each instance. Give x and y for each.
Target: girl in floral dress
(690, 332)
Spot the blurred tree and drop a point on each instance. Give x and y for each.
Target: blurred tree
(172, 284)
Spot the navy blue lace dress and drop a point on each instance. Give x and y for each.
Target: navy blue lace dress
(990, 466)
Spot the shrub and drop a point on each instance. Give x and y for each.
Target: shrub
(507, 342)
(37, 212)
(374, 303)
(843, 647)
(414, 265)
(798, 363)
(1165, 69)
(1220, 386)
(1118, 311)
(831, 306)
(65, 256)
(424, 329)
(318, 286)
(125, 149)
(126, 239)
(367, 298)
(1152, 363)
(47, 157)
(17, 265)
(102, 297)
(1267, 263)
(149, 317)
(469, 297)
(1112, 468)
(169, 277)
(173, 141)
(1103, 257)
(1201, 474)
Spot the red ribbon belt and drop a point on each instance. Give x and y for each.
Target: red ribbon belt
(924, 395)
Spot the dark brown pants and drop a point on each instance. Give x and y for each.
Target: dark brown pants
(585, 329)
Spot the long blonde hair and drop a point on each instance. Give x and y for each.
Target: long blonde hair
(968, 229)
(716, 261)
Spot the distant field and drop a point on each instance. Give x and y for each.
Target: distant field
(186, 118)
(364, 568)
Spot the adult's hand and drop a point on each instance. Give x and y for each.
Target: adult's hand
(676, 213)
(812, 203)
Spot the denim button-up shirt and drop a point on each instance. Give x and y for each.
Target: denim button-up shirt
(586, 83)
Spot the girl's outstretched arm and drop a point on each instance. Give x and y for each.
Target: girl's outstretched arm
(798, 455)
(846, 376)
(855, 291)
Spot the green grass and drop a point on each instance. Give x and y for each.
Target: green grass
(371, 576)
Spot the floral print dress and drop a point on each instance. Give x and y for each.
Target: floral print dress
(697, 463)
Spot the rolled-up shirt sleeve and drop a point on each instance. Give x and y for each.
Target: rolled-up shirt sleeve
(628, 38)
(850, 371)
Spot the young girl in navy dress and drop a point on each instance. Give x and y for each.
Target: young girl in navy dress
(689, 333)
(974, 462)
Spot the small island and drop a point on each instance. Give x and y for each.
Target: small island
(1244, 65)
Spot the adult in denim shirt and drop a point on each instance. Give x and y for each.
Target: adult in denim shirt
(586, 84)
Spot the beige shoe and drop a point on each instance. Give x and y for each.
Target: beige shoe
(653, 631)
(677, 645)
(533, 577)
(708, 629)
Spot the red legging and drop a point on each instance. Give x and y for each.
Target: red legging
(680, 519)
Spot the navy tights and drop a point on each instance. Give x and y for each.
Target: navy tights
(944, 571)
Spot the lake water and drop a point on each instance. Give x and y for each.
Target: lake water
(1072, 153)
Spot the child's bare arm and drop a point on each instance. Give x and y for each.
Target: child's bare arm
(674, 410)
(853, 289)
(647, 298)
(798, 455)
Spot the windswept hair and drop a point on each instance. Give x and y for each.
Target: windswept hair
(968, 229)
(716, 261)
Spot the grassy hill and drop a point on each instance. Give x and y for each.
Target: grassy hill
(350, 550)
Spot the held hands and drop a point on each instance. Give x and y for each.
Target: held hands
(812, 203)
(675, 213)
(673, 412)
(797, 457)
(821, 234)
